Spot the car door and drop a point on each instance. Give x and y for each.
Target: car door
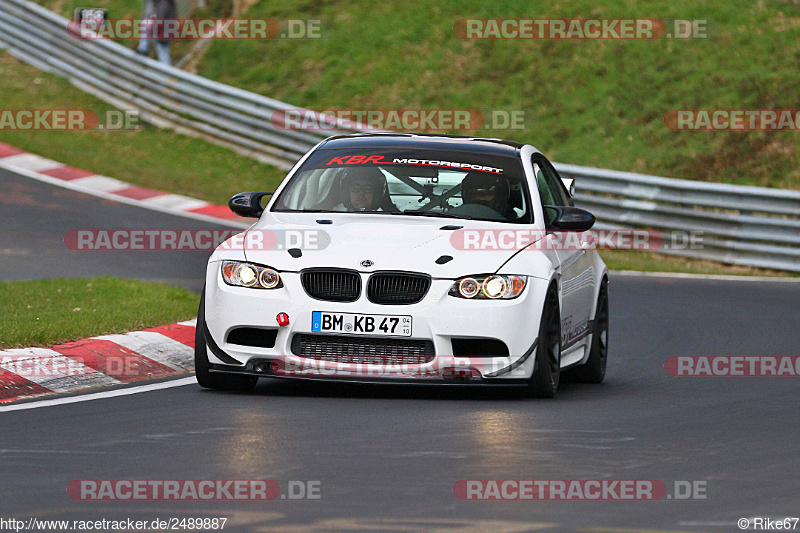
(577, 271)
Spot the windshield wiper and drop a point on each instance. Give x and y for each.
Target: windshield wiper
(430, 214)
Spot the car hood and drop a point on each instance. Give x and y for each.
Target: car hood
(396, 243)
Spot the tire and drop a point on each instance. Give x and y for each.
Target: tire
(206, 378)
(543, 383)
(594, 370)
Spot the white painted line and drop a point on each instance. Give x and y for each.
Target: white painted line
(678, 275)
(157, 347)
(192, 322)
(100, 395)
(121, 199)
(32, 162)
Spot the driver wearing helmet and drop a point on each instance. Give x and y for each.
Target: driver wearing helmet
(488, 190)
(364, 189)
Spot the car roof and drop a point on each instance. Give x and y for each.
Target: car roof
(454, 143)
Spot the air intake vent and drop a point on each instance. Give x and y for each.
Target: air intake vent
(261, 338)
(332, 285)
(472, 347)
(397, 288)
(370, 350)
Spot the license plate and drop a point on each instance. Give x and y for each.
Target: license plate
(391, 325)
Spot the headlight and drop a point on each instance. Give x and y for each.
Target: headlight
(246, 275)
(488, 287)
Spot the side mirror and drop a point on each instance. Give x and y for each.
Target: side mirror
(248, 204)
(568, 218)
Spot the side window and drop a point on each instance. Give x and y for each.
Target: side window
(557, 195)
(549, 191)
(541, 183)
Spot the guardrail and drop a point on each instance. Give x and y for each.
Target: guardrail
(741, 225)
(752, 226)
(164, 96)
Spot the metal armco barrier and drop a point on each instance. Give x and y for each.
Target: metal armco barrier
(741, 225)
(164, 96)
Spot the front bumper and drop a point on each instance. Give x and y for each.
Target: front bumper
(438, 318)
(366, 378)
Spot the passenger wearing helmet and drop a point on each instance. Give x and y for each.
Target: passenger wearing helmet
(364, 189)
(487, 191)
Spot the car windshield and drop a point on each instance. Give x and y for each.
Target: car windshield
(434, 183)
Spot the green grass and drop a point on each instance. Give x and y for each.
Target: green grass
(150, 157)
(132, 9)
(118, 9)
(164, 160)
(48, 312)
(596, 103)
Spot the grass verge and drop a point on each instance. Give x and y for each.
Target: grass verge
(588, 102)
(601, 133)
(53, 311)
(132, 9)
(164, 160)
(150, 157)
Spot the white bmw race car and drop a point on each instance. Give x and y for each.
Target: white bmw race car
(408, 258)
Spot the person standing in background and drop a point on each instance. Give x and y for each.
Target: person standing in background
(161, 10)
(148, 14)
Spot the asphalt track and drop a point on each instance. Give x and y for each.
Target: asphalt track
(387, 458)
(35, 216)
